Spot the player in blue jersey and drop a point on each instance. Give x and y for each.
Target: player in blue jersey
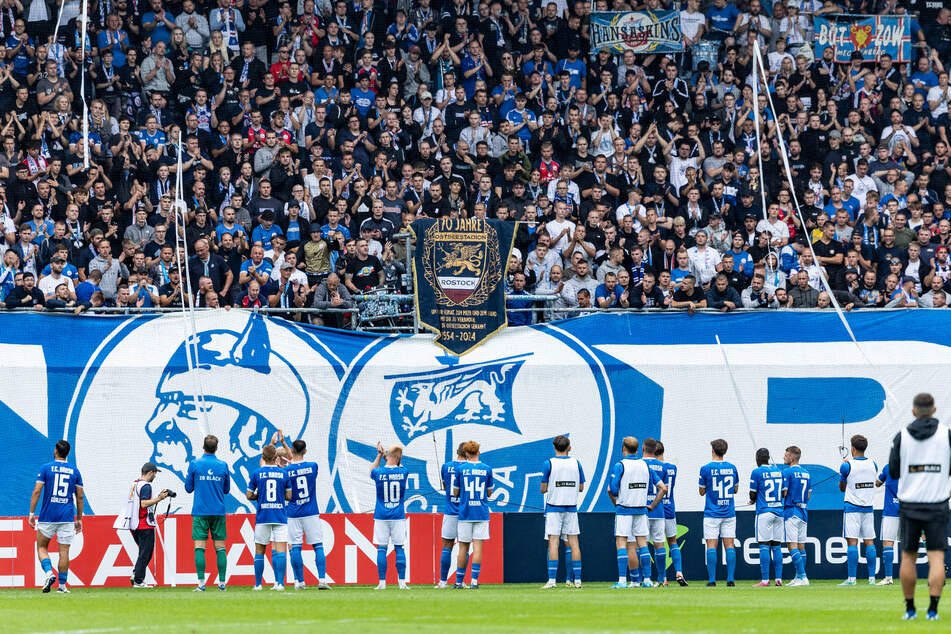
(303, 517)
(210, 482)
(719, 482)
(766, 491)
(474, 488)
(670, 515)
(61, 513)
(797, 488)
(270, 488)
(655, 518)
(389, 515)
(857, 481)
(889, 523)
(562, 485)
(450, 517)
(627, 488)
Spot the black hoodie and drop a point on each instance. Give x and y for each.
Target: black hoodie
(920, 429)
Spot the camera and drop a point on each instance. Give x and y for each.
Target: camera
(170, 493)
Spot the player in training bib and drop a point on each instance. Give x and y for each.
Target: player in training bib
(766, 491)
(797, 488)
(303, 517)
(562, 484)
(61, 514)
(857, 480)
(655, 518)
(889, 524)
(474, 489)
(670, 515)
(389, 515)
(719, 482)
(627, 488)
(270, 488)
(450, 517)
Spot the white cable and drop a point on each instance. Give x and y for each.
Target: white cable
(736, 391)
(82, 81)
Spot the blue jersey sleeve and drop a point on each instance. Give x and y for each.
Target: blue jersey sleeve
(489, 480)
(43, 475)
(227, 482)
(883, 475)
(546, 471)
(615, 482)
(703, 476)
(253, 482)
(655, 479)
(580, 471)
(844, 472)
(787, 478)
(190, 478)
(79, 478)
(754, 481)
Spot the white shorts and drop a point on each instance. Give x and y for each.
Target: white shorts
(311, 526)
(858, 525)
(719, 527)
(670, 528)
(267, 533)
(561, 523)
(795, 530)
(469, 531)
(769, 528)
(889, 529)
(631, 526)
(450, 526)
(387, 532)
(64, 531)
(656, 527)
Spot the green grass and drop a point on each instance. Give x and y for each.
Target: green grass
(822, 607)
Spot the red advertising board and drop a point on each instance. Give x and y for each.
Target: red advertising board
(103, 556)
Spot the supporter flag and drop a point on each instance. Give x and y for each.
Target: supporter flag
(459, 271)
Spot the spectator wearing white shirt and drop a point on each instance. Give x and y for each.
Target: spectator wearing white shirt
(560, 229)
(771, 223)
(703, 259)
(938, 96)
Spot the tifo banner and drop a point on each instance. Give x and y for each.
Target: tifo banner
(871, 35)
(103, 556)
(119, 389)
(460, 266)
(525, 560)
(643, 32)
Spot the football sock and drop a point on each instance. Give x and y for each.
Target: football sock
(460, 574)
(802, 562)
(552, 569)
(221, 557)
(675, 557)
(852, 558)
(476, 569)
(871, 559)
(445, 559)
(47, 565)
(634, 574)
(321, 560)
(258, 569)
(660, 561)
(910, 605)
(933, 604)
(400, 563)
(63, 576)
(381, 562)
(297, 563)
(279, 561)
(711, 564)
(200, 565)
(763, 562)
(796, 558)
(569, 571)
(645, 557)
(888, 563)
(576, 570)
(778, 563)
(730, 563)
(621, 564)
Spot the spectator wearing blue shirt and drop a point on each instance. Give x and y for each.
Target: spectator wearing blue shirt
(21, 46)
(523, 120)
(263, 233)
(575, 67)
(924, 78)
(722, 18)
(209, 482)
(256, 268)
(475, 66)
(363, 98)
(520, 317)
(115, 39)
(158, 23)
(608, 294)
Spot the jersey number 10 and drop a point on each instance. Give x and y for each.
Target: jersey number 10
(391, 492)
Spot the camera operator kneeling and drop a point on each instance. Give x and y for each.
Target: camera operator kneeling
(139, 518)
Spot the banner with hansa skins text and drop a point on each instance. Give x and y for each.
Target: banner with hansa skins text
(459, 278)
(643, 32)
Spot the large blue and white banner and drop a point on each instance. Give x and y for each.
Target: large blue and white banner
(870, 35)
(122, 391)
(643, 32)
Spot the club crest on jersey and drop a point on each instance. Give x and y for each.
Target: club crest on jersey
(479, 393)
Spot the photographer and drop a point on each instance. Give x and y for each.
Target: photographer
(139, 518)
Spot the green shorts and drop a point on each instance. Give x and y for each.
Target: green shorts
(204, 524)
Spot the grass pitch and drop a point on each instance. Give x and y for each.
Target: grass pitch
(822, 607)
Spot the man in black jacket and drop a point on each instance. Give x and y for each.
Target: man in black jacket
(26, 296)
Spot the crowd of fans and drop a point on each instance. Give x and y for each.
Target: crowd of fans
(313, 132)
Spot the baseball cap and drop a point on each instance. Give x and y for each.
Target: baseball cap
(286, 266)
(906, 279)
(149, 467)
(426, 95)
